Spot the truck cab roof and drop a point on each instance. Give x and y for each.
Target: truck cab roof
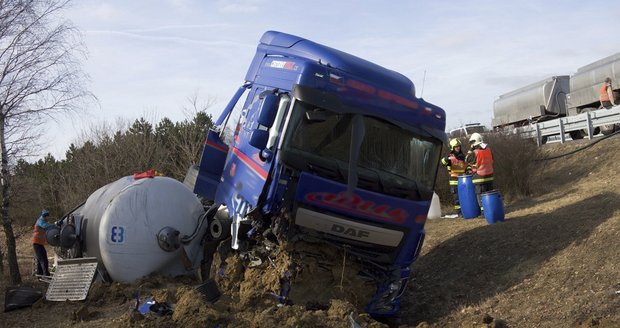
(363, 86)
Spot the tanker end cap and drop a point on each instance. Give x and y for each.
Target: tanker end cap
(168, 239)
(52, 235)
(68, 236)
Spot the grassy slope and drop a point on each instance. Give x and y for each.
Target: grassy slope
(555, 262)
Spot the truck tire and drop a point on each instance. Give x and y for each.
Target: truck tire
(608, 129)
(576, 135)
(544, 140)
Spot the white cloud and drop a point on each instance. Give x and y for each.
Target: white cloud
(104, 11)
(238, 6)
(161, 38)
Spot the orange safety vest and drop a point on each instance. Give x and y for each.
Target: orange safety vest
(604, 94)
(38, 236)
(484, 162)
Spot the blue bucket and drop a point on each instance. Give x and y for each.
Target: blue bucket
(467, 197)
(493, 206)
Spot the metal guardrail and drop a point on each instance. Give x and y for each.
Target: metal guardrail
(585, 121)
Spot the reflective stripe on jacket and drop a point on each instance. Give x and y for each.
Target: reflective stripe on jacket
(604, 94)
(457, 166)
(481, 160)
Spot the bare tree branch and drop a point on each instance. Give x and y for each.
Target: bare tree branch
(40, 77)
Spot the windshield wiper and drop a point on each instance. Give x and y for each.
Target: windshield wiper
(333, 171)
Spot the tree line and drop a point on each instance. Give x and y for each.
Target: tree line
(107, 155)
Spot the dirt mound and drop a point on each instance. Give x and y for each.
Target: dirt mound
(553, 263)
(326, 293)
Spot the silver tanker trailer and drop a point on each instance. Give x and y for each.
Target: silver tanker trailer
(558, 96)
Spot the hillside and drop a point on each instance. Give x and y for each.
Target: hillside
(555, 262)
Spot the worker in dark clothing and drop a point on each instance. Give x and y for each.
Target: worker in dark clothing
(606, 96)
(480, 158)
(456, 165)
(39, 240)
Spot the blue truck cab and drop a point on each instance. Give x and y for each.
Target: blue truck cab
(331, 147)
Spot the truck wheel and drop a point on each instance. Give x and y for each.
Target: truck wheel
(608, 129)
(544, 140)
(576, 135)
(75, 251)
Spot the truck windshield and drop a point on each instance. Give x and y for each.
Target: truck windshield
(395, 156)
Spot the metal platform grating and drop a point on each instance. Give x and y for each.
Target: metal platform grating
(72, 279)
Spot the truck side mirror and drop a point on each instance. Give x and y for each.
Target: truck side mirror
(259, 139)
(268, 109)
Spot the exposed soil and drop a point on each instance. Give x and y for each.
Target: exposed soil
(554, 262)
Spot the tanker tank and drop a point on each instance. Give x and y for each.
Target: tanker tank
(585, 84)
(135, 227)
(539, 101)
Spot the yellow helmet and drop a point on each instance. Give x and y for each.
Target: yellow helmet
(475, 139)
(454, 143)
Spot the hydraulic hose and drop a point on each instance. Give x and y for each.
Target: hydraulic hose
(203, 218)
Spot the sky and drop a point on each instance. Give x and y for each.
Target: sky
(147, 57)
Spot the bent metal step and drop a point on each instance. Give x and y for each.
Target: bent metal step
(72, 279)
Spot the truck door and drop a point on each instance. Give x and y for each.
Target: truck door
(211, 165)
(247, 170)
(216, 148)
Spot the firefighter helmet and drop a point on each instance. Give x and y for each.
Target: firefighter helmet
(475, 139)
(454, 143)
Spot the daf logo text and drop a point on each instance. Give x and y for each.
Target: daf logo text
(359, 233)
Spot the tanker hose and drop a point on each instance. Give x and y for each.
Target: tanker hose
(72, 210)
(201, 221)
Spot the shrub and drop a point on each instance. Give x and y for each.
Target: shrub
(515, 160)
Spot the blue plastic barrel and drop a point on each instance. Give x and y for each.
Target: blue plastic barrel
(493, 206)
(467, 197)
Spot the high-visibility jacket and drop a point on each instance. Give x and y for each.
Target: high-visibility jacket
(604, 94)
(38, 236)
(456, 165)
(482, 164)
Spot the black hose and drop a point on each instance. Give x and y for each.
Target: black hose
(203, 218)
(579, 149)
(72, 210)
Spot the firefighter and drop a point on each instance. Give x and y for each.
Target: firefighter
(39, 240)
(480, 159)
(456, 165)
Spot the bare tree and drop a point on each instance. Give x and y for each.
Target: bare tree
(40, 77)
